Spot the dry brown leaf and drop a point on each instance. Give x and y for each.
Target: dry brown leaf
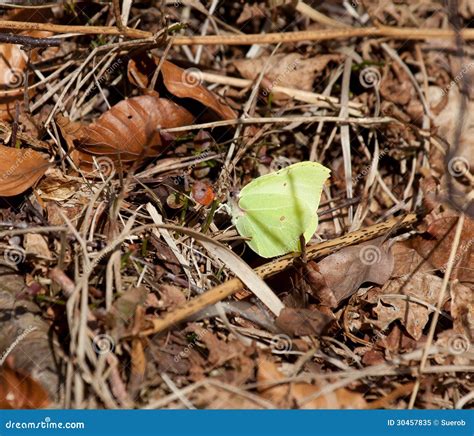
(128, 131)
(56, 186)
(462, 309)
(339, 275)
(397, 87)
(20, 169)
(18, 391)
(12, 76)
(187, 84)
(171, 297)
(397, 341)
(137, 355)
(393, 304)
(287, 395)
(13, 65)
(435, 247)
(407, 260)
(34, 355)
(288, 70)
(302, 322)
(37, 245)
(124, 307)
(278, 394)
(447, 122)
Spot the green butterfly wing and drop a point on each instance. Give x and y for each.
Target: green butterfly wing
(276, 209)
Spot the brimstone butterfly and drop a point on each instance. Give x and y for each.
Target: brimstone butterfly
(274, 210)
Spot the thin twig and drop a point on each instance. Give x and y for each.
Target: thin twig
(8, 38)
(406, 33)
(284, 120)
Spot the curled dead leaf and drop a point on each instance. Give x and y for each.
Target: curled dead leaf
(12, 77)
(13, 66)
(339, 275)
(126, 132)
(20, 169)
(188, 84)
(181, 83)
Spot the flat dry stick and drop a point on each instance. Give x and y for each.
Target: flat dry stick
(232, 286)
(406, 33)
(63, 28)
